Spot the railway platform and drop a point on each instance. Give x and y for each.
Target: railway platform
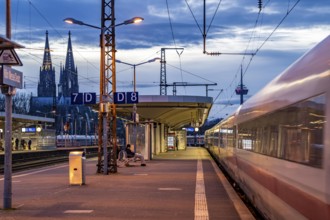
(174, 185)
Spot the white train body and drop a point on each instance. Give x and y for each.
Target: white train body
(277, 144)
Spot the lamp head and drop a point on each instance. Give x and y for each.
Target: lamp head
(133, 20)
(73, 21)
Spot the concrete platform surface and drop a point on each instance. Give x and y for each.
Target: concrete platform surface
(174, 185)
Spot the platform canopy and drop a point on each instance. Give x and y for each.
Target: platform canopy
(174, 111)
(6, 43)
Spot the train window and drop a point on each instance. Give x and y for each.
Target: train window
(273, 141)
(302, 135)
(221, 139)
(294, 133)
(244, 137)
(216, 138)
(230, 137)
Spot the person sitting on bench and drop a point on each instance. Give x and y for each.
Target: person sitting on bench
(132, 154)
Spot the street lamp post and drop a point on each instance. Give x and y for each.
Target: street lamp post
(49, 125)
(129, 21)
(134, 89)
(104, 80)
(65, 127)
(86, 130)
(134, 68)
(45, 114)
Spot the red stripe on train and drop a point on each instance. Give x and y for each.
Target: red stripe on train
(307, 205)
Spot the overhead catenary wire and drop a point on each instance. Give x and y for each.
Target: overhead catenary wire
(229, 89)
(216, 11)
(191, 73)
(174, 41)
(271, 34)
(247, 47)
(170, 21)
(277, 26)
(184, 71)
(289, 10)
(193, 15)
(44, 17)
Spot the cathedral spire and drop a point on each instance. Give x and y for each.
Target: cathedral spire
(47, 84)
(69, 63)
(47, 62)
(69, 74)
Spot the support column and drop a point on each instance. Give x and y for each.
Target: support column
(158, 141)
(162, 138)
(153, 139)
(147, 141)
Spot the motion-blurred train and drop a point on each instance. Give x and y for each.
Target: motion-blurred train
(193, 140)
(76, 140)
(276, 146)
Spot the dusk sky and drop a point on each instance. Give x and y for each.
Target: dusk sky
(280, 33)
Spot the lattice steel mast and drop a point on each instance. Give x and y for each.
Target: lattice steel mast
(107, 110)
(163, 84)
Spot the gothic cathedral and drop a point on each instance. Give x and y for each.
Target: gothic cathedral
(68, 82)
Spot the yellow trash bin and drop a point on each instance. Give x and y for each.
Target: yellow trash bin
(77, 168)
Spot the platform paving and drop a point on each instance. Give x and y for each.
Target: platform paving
(174, 185)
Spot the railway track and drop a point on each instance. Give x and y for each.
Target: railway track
(32, 159)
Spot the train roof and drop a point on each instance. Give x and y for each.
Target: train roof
(305, 78)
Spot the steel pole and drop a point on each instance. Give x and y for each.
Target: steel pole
(111, 79)
(134, 77)
(134, 112)
(104, 110)
(7, 192)
(86, 132)
(8, 19)
(204, 27)
(102, 149)
(105, 150)
(241, 93)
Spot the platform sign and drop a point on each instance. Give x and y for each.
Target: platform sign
(126, 97)
(89, 98)
(11, 77)
(190, 129)
(79, 98)
(132, 97)
(119, 98)
(29, 130)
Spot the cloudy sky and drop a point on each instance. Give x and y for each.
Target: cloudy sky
(279, 34)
